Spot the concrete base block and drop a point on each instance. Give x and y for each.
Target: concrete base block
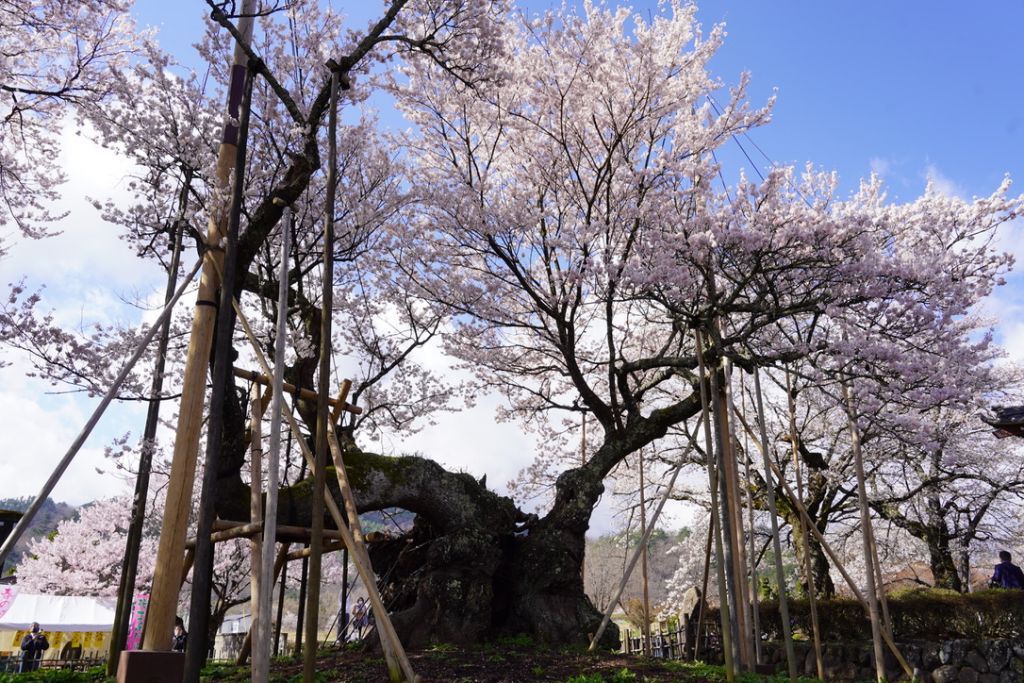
(144, 666)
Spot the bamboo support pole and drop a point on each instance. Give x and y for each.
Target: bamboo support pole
(812, 600)
(76, 445)
(247, 646)
(256, 574)
(606, 618)
(164, 596)
(865, 529)
(261, 662)
(389, 639)
(780, 577)
(728, 653)
(827, 547)
(300, 392)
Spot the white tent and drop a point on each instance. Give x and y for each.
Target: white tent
(59, 613)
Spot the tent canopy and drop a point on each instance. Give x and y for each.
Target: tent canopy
(59, 613)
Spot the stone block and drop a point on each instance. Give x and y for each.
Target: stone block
(967, 675)
(976, 661)
(952, 651)
(930, 656)
(946, 673)
(998, 655)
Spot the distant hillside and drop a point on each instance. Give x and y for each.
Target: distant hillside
(49, 516)
(391, 521)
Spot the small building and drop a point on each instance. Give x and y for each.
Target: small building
(77, 627)
(1007, 421)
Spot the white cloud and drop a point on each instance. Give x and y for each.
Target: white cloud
(880, 166)
(943, 183)
(39, 428)
(83, 269)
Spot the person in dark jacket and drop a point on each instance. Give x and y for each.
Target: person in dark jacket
(180, 639)
(1006, 574)
(32, 647)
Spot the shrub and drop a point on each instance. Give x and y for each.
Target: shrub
(94, 675)
(916, 615)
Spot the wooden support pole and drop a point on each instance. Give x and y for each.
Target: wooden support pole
(727, 443)
(329, 546)
(225, 530)
(606, 618)
(247, 530)
(812, 601)
(753, 615)
(838, 563)
(307, 394)
(322, 415)
(883, 601)
(754, 611)
(186, 567)
(703, 588)
(773, 511)
(178, 506)
(865, 532)
(728, 652)
(394, 653)
(201, 645)
(133, 542)
(643, 561)
(583, 461)
(731, 494)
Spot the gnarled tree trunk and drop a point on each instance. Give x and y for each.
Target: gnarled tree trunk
(473, 567)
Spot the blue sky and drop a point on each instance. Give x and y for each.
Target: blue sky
(911, 89)
(910, 84)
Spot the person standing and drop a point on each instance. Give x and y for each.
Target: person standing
(180, 639)
(359, 618)
(1006, 574)
(32, 647)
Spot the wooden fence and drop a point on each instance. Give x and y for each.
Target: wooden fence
(675, 644)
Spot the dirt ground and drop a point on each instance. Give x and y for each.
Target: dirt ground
(492, 664)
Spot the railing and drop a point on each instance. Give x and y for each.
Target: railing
(674, 644)
(12, 663)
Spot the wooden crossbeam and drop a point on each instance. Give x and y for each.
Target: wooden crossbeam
(226, 530)
(308, 394)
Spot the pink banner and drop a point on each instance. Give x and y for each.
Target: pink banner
(7, 596)
(139, 604)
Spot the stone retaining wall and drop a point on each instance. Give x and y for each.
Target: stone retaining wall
(951, 661)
